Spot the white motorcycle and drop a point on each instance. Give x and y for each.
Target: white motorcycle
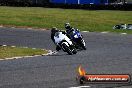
(64, 43)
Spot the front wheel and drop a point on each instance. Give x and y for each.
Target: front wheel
(83, 47)
(67, 49)
(83, 44)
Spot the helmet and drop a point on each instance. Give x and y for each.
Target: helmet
(67, 25)
(54, 30)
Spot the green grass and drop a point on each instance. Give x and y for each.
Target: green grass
(91, 20)
(7, 52)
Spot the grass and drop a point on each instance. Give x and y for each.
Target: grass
(7, 52)
(88, 20)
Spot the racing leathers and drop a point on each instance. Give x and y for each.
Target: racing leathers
(70, 31)
(56, 38)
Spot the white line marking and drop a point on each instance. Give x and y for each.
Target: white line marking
(1, 59)
(37, 55)
(104, 32)
(80, 87)
(33, 48)
(17, 57)
(29, 28)
(85, 31)
(4, 45)
(13, 46)
(42, 49)
(8, 58)
(43, 29)
(27, 56)
(25, 47)
(44, 54)
(124, 33)
(50, 52)
(1, 26)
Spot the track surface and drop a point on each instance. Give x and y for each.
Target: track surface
(106, 53)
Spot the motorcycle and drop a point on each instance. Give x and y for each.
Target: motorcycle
(77, 38)
(64, 43)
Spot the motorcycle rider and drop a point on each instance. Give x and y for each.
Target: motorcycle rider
(54, 33)
(70, 33)
(69, 29)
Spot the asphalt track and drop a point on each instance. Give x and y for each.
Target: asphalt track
(106, 53)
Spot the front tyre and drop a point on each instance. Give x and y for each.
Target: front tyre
(67, 49)
(83, 47)
(83, 44)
